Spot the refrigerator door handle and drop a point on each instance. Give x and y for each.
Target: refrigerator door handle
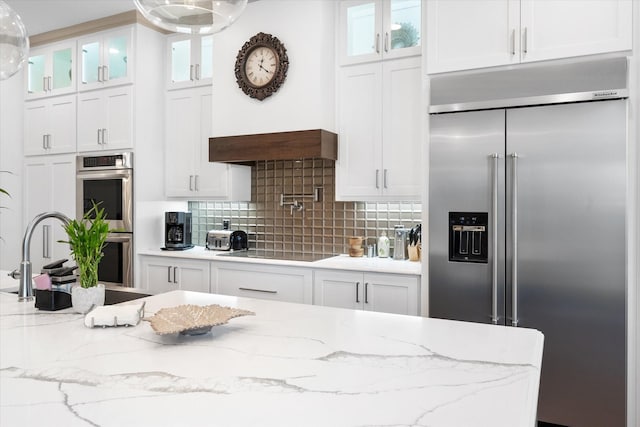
(494, 239)
(514, 231)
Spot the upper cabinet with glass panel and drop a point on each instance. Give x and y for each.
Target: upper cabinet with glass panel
(106, 59)
(371, 30)
(190, 61)
(51, 70)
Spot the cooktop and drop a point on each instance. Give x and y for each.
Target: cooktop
(273, 254)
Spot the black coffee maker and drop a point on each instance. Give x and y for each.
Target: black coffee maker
(177, 231)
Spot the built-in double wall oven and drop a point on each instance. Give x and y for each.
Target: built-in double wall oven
(108, 180)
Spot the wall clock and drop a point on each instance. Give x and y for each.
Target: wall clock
(261, 66)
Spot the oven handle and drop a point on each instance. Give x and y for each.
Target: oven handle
(106, 174)
(118, 239)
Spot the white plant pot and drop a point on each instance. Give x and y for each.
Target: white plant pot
(82, 299)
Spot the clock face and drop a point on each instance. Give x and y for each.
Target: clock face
(261, 66)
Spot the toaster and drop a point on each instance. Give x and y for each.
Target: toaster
(225, 240)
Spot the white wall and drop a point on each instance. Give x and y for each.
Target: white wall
(11, 142)
(306, 99)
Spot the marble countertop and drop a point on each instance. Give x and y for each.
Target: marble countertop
(339, 262)
(289, 365)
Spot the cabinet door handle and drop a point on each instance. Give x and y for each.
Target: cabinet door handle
(386, 42)
(44, 142)
(99, 133)
(357, 291)
(524, 40)
(190, 182)
(100, 74)
(384, 178)
(378, 43)
(197, 71)
(196, 182)
(105, 73)
(366, 293)
(44, 84)
(265, 291)
(169, 274)
(105, 136)
(191, 73)
(45, 241)
(513, 42)
(49, 140)
(175, 270)
(377, 178)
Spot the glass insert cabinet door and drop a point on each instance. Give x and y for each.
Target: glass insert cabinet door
(378, 29)
(51, 71)
(105, 59)
(191, 60)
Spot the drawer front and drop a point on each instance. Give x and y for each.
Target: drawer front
(273, 283)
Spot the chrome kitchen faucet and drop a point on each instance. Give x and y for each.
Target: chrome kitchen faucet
(25, 292)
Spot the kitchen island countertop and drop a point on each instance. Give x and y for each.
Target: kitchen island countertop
(289, 365)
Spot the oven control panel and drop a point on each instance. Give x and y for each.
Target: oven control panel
(107, 161)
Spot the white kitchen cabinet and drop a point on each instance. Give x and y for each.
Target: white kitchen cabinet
(189, 172)
(465, 34)
(51, 70)
(388, 293)
(106, 58)
(50, 125)
(280, 283)
(190, 61)
(105, 119)
(379, 115)
(371, 30)
(49, 185)
(163, 274)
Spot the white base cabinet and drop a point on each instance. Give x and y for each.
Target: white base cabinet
(164, 274)
(388, 293)
(278, 283)
(49, 185)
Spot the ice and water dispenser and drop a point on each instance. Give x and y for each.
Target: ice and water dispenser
(468, 236)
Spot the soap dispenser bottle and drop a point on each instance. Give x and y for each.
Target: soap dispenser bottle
(383, 245)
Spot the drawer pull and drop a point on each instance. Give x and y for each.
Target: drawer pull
(259, 290)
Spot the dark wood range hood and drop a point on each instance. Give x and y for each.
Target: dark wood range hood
(303, 144)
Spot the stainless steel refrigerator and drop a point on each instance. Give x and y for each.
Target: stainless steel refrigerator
(527, 229)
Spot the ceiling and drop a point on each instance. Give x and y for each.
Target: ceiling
(40, 16)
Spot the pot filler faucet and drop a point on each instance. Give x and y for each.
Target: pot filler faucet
(25, 292)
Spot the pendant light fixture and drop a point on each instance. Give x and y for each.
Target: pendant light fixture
(14, 43)
(191, 16)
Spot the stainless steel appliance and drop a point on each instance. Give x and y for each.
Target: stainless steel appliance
(400, 242)
(226, 240)
(527, 229)
(177, 231)
(108, 179)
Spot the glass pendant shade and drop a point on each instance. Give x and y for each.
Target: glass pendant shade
(191, 16)
(14, 43)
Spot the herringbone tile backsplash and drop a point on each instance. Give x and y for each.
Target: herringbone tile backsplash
(320, 228)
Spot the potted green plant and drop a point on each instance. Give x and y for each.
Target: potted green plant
(87, 238)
